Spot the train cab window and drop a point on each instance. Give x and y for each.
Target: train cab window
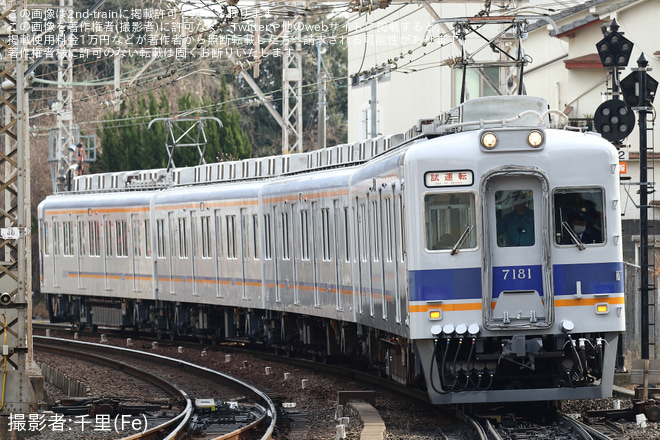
(579, 216)
(514, 211)
(450, 220)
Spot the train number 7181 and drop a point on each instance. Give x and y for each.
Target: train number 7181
(518, 274)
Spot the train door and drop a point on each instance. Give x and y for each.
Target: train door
(218, 254)
(172, 246)
(245, 254)
(107, 248)
(194, 234)
(361, 251)
(390, 284)
(56, 249)
(517, 277)
(377, 274)
(137, 249)
(283, 252)
(82, 248)
(336, 243)
(314, 256)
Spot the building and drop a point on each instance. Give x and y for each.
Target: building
(412, 48)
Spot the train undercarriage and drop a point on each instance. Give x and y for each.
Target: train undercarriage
(568, 365)
(285, 333)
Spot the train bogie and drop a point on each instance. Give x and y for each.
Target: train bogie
(480, 254)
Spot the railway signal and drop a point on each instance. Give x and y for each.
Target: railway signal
(615, 49)
(614, 120)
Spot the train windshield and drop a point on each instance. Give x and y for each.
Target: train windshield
(448, 216)
(515, 217)
(579, 218)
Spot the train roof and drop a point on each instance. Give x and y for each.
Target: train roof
(475, 114)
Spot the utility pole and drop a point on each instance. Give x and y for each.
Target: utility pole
(20, 377)
(292, 106)
(321, 99)
(374, 107)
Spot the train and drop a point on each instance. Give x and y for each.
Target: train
(477, 256)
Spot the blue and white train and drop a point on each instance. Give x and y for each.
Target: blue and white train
(477, 255)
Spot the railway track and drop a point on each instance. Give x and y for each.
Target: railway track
(479, 424)
(213, 419)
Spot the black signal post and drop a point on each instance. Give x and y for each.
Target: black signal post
(613, 119)
(638, 90)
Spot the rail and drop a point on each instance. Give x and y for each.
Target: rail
(48, 344)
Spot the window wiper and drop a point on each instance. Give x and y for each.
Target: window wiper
(461, 239)
(573, 236)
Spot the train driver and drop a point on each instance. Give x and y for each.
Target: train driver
(578, 223)
(517, 226)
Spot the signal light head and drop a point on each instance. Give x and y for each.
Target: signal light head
(614, 50)
(614, 120)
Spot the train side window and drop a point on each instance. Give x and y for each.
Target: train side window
(448, 216)
(67, 229)
(147, 239)
(107, 230)
(514, 211)
(94, 239)
(362, 232)
(325, 220)
(183, 238)
(387, 217)
(46, 239)
(82, 237)
(402, 226)
(122, 238)
(579, 215)
(347, 240)
(304, 234)
(268, 249)
(255, 235)
(206, 236)
(286, 255)
(231, 236)
(377, 230)
(137, 236)
(56, 238)
(218, 233)
(160, 237)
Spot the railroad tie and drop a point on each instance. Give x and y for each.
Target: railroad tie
(373, 427)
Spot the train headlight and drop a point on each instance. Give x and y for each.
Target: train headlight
(535, 138)
(435, 315)
(489, 140)
(602, 308)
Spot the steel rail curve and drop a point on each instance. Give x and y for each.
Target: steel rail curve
(269, 408)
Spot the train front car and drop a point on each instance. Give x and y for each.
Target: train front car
(516, 274)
